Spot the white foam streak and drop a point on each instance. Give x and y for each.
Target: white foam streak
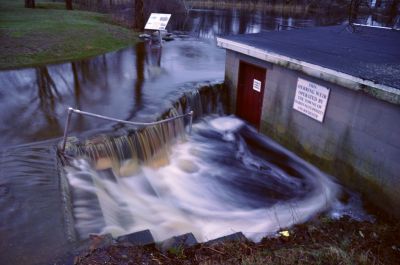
(183, 197)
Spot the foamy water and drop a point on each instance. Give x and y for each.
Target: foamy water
(222, 179)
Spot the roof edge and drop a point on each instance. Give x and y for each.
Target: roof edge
(379, 91)
(373, 26)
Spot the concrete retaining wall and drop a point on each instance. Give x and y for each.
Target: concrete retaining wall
(358, 142)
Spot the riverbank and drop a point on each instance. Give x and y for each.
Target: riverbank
(321, 241)
(51, 34)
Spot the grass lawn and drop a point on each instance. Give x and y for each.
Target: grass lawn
(50, 34)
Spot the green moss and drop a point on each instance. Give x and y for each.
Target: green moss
(381, 94)
(50, 34)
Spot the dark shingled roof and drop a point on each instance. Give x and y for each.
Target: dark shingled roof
(366, 52)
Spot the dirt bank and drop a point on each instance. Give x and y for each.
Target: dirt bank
(321, 241)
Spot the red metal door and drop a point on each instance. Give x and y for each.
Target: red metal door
(250, 93)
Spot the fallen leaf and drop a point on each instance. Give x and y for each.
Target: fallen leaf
(284, 233)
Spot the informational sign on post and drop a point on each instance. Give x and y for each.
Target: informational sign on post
(257, 85)
(157, 21)
(311, 99)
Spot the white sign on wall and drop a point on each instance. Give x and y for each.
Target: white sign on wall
(157, 21)
(311, 99)
(257, 85)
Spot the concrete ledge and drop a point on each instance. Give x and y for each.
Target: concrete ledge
(379, 91)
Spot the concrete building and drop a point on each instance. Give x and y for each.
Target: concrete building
(330, 94)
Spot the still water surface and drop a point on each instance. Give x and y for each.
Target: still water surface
(132, 84)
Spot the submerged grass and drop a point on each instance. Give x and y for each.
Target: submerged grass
(50, 34)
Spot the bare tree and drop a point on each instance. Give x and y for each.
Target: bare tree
(353, 10)
(68, 4)
(392, 13)
(139, 15)
(186, 5)
(30, 3)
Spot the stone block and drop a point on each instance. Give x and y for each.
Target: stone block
(141, 238)
(176, 242)
(236, 237)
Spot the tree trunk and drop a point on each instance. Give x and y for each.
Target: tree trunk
(139, 15)
(354, 9)
(68, 4)
(392, 13)
(30, 3)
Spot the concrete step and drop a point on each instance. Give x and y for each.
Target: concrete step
(32, 219)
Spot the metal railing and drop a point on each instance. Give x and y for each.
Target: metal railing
(281, 26)
(72, 110)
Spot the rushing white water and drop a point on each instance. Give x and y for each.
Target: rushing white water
(223, 178)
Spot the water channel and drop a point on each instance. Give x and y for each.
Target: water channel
(222, 178)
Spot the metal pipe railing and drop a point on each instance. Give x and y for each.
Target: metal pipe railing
(286, 26)
(72, 110)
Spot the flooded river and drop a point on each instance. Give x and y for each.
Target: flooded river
(222, 178)
(132, 84)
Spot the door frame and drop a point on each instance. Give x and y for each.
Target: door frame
(240, 84)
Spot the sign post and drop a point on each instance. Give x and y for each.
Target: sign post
(158, 21)
(311, 99)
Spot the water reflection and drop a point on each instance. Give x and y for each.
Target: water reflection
(140, 64)
(47, 93)
(209, 23)
(134, 83)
